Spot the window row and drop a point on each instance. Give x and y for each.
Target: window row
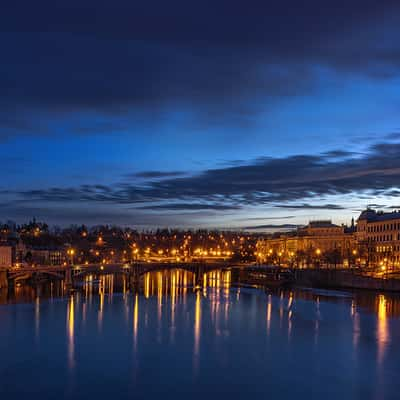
(384, 238)
(384, 227)
(387, 249)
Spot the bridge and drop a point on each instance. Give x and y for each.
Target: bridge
(133, 270)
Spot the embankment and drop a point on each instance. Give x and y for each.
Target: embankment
(343, 279)
(3, 279)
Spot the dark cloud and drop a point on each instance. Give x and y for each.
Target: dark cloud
(272, 227)
(393, 136)
(266, 218)
(281, 182)
(339, 154)
(311, 206)
(157, 174)
(373, 205)
(219, 58)
(190, 206)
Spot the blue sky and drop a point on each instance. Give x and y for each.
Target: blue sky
(145, 117)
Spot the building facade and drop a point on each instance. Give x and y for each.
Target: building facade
(374, 242)
(318, 243)
(6, 256)
(378, 237)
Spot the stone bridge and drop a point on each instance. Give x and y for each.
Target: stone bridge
(133, 270)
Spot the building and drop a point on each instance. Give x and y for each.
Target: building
(6, 256)
(320, 242)
(378, 237)
(45, 256)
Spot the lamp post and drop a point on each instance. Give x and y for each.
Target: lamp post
(318, 254)
(354, 253)
(71, 253)
(279, 258)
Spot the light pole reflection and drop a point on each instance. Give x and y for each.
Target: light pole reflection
(70, 332)
(382, 328)
(197, 328)
(135, 321)
(269, 313)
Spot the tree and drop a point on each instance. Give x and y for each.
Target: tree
(333, 256)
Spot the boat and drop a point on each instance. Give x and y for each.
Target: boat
(274, 278)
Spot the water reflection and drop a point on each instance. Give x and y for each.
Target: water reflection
(135, 321)
(37, 317)
(177, 326)
(269, 313)
(70, 332)
(382, 328)
(356, 324)
(197, 329)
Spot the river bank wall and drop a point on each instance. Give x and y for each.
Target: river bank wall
(343, 279)
(3, 279)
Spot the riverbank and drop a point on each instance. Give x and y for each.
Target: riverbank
(319, 278)
(343, 280)
(3, 279)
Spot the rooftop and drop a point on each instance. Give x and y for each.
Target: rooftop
(322, 224)
(377, 216)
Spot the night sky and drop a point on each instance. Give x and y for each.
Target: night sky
(198, 113)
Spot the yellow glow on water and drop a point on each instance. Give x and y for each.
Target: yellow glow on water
(135, 320)
(227, 277)
(382, 328)
(101, 303)
(218, 279)
(269, 313)
(147, 286)
(159, 294)
(197, 324)
(173, 297)
(70, 331)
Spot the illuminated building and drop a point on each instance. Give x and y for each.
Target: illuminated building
(378, 235)
(6, 256)
(316, 243)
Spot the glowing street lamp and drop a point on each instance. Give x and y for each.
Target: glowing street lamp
(318, 253)
(71, 253)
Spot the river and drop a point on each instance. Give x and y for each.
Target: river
(173, 338)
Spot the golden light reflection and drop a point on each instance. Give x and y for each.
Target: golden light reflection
(269, 313)
(173, 299)
(101, 301)
(147, 286)
(227, 278)
(197, 329)
(382, 328)
(185, 284)
(135, 321)
(159, 295)
(70, 332)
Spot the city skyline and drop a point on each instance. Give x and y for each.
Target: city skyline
(218, 115)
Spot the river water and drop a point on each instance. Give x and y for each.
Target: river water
(173, 338)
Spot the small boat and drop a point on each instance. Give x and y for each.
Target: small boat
(271, 279)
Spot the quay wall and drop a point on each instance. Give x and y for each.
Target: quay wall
(344, 279)
(3, 279)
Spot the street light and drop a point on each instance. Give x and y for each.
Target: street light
(318, 253)
(71, 253)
